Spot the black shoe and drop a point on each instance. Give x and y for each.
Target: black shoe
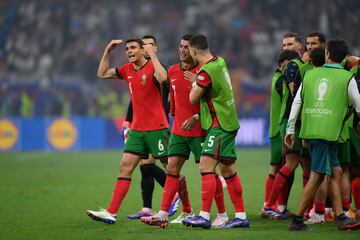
(288, 214)
(346, 223)
(297, 226)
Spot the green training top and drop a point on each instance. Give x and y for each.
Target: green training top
(221, 96)
(275, 106)
(325, 102)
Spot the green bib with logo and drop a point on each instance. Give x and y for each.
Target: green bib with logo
(275, 106)
(221, 96)
(325, 103)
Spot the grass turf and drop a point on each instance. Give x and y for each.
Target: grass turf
(45, 195)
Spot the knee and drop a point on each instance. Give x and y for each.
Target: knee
(274, 169)
(337, 173)
(126, 169)
(203, 167)
(227, 170)
(292, 162)
(172, 169)
(306, 163)
(146, 169)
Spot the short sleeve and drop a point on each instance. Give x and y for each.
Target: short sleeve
(120, 72)
(291, 73)
(203, 80)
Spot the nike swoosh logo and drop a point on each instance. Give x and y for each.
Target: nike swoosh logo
(159, 153)
(130, 76)
(173, 80)
(207, 150)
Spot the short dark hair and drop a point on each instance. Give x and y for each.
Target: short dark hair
(199, 41)
(337, 49)
(139, 41)
(321, 36)
(317, 57)
(187, 37)
(293, 35)
(287, 55)
(150, 36)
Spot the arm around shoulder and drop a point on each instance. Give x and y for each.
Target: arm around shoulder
(196, 94)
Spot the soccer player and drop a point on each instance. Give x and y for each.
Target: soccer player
(276, 141)
(186, 136)
(292, 41)
(218, 115)
(314, 40)
(283, 182)
(149, 170)
(355, 149)
(324, 104)
(317, 59)
(149, 133)
(314, 57)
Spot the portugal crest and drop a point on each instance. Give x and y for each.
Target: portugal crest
(143, 79)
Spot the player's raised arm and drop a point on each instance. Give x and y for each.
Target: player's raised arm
(160, 71)
(104, 70)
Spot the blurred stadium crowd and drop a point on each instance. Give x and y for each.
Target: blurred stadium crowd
(50, 50)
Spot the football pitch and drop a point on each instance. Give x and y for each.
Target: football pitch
(45, 195)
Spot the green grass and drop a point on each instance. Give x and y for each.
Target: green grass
(45, 195)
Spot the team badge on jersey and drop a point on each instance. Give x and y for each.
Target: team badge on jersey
(199, 77)
(143, 79)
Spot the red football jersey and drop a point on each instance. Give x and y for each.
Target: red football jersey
(180, 104)
(148, 110)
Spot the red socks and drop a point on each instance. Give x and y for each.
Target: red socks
(170, 189)
(184, 196)
(320, 207)
(219, 196)
(235, 191)
(208, 188)
(345, 204)
(355, 189)
(121, 188)
(269, 182)
(280, 184)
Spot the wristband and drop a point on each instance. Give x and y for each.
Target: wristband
(193, 84)
(197, 116)
(126, 124)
